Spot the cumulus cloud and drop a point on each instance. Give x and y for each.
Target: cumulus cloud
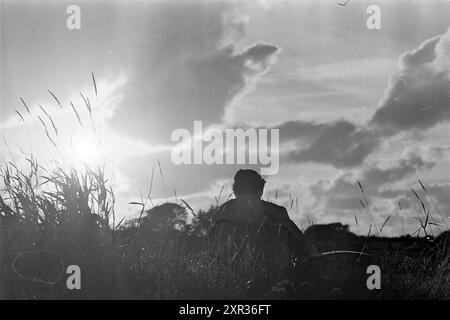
(374, 178)
(190, 66)
(342, 196)
(418, 96)
(293, 130)
(405, 167)
(441, 195)
(234, 25)
(229, 73)
(340, 143)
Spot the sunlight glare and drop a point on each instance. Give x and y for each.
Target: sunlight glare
(85, 150)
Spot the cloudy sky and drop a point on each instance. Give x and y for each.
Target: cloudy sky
(351, 104)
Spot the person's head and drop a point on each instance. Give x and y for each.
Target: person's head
(248, 182)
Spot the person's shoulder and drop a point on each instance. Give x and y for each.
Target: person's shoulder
(278, 213)
(229, 205)
(273, 207)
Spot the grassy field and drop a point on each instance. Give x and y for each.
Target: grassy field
(50, 220)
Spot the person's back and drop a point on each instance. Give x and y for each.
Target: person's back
(248, 221)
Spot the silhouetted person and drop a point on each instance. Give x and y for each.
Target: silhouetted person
(250, 221)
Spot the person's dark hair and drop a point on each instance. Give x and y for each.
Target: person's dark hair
(248, 181)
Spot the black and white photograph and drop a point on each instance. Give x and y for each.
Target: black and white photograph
(224, 150)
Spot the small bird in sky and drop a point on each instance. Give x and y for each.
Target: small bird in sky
(426, 108)
(344, 4)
